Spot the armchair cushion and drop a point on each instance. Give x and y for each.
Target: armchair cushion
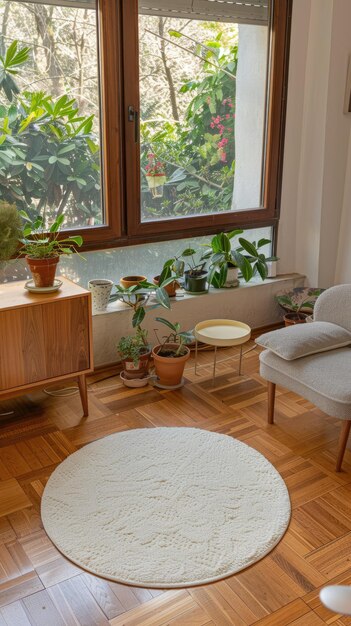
(295, 342)
(323, 379)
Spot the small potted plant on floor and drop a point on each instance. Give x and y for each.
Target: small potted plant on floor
(135, 353)
(299, 304)
(10, 230)
(42, 248)
(134, 349)
(171, 354)
(172, 270)
(196, 277)
(155, 175)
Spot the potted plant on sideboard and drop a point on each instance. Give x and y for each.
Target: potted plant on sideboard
(171, 354)
(42, 248)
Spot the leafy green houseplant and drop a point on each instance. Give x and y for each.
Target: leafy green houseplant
(171, 354)
(10, 230)
(42, 247)
(172, 270)
(135, 350)
(225, 261)
(135, 354)
(196, 277)
(299, 303)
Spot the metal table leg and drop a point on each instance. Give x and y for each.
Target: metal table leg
(214, 365)
(240, 359)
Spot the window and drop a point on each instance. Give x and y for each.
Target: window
(144, 121)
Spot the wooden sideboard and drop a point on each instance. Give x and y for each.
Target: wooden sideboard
(44, 338)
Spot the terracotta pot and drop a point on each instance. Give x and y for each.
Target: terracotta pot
(43, 270)
(140, 369)
(294, 318)
(171, 288)
(130, 281)
(170, 369)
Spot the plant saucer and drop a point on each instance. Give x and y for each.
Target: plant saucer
(156, 383)
(30, 286)
(134, 382)
(196, 293)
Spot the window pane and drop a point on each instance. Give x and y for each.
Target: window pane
(202, 103)
(49, 110)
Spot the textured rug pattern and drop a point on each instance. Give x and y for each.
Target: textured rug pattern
(165, 507)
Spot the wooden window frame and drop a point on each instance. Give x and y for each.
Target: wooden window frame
(119, 58)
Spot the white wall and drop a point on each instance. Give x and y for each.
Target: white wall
(314, 225)
(250, 115)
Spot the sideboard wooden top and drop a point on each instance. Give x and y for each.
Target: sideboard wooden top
(15, 295)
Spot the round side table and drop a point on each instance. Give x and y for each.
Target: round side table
(219, 333)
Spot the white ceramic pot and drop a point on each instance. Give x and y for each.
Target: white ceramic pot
(100, 292)
(232, 278)
(272, 269)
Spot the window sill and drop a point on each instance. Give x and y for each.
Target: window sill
(120, 307)
(252, 302)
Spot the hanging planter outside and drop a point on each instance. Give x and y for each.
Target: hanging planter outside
(155, 175)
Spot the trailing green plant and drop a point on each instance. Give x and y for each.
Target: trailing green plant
(10, 230)
(181, 338)
(132, 346)
(41, 242)
(136, 298)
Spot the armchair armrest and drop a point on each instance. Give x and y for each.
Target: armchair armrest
(334, 305)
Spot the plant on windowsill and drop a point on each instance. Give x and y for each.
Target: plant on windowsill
(10, 230)
(172, 270)
(171, 354)
(42, 247)
(226, 262)
(196, 277)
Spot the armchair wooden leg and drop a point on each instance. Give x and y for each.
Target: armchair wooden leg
(82, 384)
(271, 399)
(344, 435)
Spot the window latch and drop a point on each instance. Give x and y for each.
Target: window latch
(133, 116)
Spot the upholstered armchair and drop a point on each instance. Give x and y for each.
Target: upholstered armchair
(314, 360)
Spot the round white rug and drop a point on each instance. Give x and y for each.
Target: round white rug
(165, 507)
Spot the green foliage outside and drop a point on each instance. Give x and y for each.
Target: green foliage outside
(49, 156)
(199, 154)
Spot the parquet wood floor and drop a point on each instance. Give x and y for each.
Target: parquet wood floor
(39, 587)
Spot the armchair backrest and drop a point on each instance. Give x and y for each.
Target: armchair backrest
(334, 305)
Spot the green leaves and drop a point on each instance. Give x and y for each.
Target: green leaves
(138, 316)
(9, 64)
(162, 298)
(174, 327)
